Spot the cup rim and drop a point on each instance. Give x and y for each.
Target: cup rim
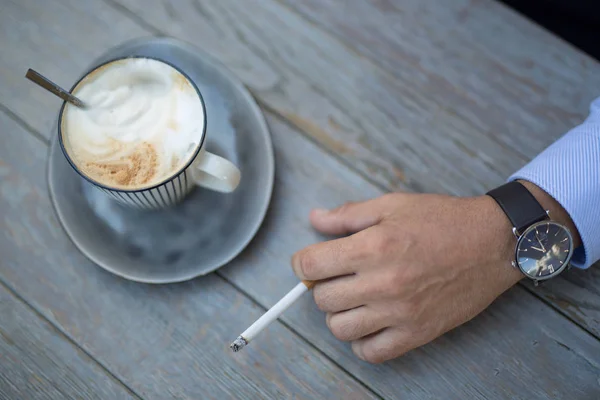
(139, 189)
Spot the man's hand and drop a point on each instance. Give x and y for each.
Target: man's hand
(413, 267)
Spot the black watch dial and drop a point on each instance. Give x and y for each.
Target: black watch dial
(544, 250)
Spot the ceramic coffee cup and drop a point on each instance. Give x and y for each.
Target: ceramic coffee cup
(201, 168)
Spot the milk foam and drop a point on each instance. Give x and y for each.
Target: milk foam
(144, 122)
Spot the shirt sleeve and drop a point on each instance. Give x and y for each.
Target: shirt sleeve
(569, 171)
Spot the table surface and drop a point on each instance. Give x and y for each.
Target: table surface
(380, 95)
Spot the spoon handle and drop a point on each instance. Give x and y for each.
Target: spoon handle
(53, 88)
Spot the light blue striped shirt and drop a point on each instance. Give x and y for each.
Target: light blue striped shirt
(569, 171)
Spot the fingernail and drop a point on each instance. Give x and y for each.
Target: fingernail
(296, 265)
(357, 349)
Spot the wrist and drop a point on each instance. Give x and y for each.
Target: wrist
(511, 205)
(495, 240)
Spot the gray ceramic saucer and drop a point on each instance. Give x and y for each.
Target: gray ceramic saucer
(208, 229)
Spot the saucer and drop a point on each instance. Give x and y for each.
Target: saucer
(207, 229)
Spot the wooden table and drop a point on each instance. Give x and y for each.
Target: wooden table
(430, 96)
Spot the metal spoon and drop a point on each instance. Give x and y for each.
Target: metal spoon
(54, 88)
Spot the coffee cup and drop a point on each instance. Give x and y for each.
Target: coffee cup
(141, 137)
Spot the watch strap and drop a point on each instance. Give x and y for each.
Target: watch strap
(519, 205)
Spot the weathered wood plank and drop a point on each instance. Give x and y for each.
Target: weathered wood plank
(162, 341)
(411, 127)
(58, 40)
(339, 98)
(173, 339)
(38, 362)
(431, 370)
(497, 355)
(508, 77)
(484, 95)
(503, 80)
(577, 295)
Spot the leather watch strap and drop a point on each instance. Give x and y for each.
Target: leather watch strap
(519, 205)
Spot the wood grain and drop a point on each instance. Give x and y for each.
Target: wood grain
(508, 78)
(577, 295)
(167, 341)
(339, 98)
(506, 89)
(513, 350)
(451, 117)
(172, 340)
(505, 76)
(38, 362)
(497, 355)
(58, 39)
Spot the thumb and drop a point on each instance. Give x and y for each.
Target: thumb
(348, 218)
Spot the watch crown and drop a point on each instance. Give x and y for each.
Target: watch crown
(513, 263)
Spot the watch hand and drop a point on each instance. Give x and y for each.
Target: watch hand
(538, 249)
(539, 241)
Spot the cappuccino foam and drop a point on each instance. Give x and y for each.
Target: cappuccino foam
(143, 124)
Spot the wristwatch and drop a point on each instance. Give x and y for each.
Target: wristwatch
(544, 247)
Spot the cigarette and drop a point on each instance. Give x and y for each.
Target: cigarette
(271, 315)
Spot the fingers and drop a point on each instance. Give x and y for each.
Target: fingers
(356, 323)
(349, 218)
(330, 259)
(385, 345)
(340, 294)
(342, 256)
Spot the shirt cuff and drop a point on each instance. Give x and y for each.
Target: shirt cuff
(569, 171)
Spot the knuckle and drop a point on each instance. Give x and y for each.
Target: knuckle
(396, 283)
(408, 311)
(344, 208)
(407, 241)
(381, 349)
(382, 242)
(391, 199)
(360, 252)
(343, 328)
(374, 355)
(321, 298)
(392, 285)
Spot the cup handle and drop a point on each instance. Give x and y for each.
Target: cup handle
(215, 173)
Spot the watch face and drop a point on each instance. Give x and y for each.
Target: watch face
(544, 250)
